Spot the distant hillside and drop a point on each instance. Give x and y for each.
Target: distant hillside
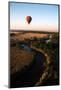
(22, 35)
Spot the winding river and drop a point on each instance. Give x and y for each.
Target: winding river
(29, 75)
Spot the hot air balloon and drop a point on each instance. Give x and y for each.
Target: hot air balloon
(28, 19)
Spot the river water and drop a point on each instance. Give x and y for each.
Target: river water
(29, 75)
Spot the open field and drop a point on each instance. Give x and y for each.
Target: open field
(22, 36)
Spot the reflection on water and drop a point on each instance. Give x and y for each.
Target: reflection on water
(26, 47)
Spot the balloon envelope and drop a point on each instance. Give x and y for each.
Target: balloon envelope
(28, 19)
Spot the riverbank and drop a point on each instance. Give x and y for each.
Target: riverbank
(29, 75)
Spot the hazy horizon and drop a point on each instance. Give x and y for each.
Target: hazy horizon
(44, 17)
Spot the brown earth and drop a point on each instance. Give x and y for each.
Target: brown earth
(19, 58)
(22, 36)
